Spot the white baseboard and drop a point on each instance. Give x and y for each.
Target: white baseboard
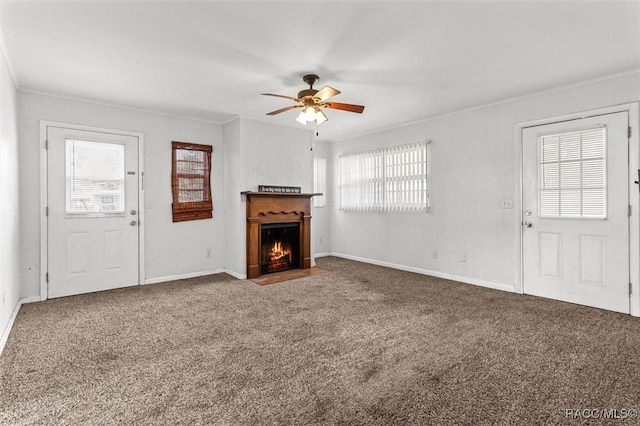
(183, 276)
(235, 274)
(466, 280)
(30, 299)
(14, 314)
(7, 330)
(317, 255)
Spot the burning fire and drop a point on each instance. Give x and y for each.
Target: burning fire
(277, 252)
(278, 256)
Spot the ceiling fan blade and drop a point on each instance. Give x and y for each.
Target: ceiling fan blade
(281, 96)
(345, 107)
(278, 111)
(325, 93)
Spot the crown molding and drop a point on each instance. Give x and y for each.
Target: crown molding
(119, 106)
(500, 102)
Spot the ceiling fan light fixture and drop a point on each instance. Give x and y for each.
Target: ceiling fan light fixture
(302, 118)
(310, 113)
(320, 117)
(312, 101)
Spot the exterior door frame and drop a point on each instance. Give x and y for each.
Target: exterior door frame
(44, 197)
(634, 195)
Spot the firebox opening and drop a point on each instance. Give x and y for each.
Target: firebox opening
(280, 247)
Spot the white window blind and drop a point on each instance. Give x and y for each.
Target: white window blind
(391, 179)
(94, 177)
(573, 174)
(320, 181)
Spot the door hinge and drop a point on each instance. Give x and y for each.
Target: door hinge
(46, 144)
(46, 277)
(629, 210)
(629, 132)
(142, 177)
(46, 211)
(630, 289)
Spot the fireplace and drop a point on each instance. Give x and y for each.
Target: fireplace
(278, 232)
(279, 247)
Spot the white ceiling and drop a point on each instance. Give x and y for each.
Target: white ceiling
(405, 61)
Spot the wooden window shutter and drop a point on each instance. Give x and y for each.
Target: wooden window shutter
(191, 181)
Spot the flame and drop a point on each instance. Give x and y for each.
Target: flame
(279, 256)
(277, 251)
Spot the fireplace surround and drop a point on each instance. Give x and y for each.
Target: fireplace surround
(284, 213)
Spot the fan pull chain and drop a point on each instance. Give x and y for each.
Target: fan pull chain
(317, 134)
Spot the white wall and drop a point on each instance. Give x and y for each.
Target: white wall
(234, 210)
(9, 196)
(320, 230)
(260, 153)
(172, 249)
(473, 168)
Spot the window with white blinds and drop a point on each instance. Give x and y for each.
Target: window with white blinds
(573, 174)
(94, 177)
(391, 179)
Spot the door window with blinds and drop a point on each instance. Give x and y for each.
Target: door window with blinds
(191, 181)
(94, 173)
(573, 174)
(390, 179)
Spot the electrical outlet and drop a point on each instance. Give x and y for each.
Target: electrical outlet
(320, 240)
(506, 203)
(434, 254)
(209, 252)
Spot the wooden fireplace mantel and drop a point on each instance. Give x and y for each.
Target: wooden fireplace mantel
(275, 207)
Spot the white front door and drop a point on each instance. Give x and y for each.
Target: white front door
(576, 211)
(93, 233)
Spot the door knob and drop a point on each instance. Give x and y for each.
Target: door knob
(133, 223)
(133, 212)
(527, 224)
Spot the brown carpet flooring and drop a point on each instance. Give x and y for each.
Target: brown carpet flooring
(358, 344)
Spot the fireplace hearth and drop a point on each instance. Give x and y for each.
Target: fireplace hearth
(278, 232)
